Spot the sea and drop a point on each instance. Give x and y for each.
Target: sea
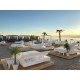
(75, 39)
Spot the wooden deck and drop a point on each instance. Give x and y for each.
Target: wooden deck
(64, 56)
(34, 67)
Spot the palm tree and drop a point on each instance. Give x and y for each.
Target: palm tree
(44, 34)
(15, 50)
(59, 31)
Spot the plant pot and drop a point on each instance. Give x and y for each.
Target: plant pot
(15, 66)
(67, 54)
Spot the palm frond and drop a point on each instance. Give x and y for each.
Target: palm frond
(15, 50)
(44, 33)
(59, 30)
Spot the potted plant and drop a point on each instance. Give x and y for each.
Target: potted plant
(78, 43)
(67, 46)
(15, 50)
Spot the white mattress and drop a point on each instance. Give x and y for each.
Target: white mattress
(19, 42)
(30, 43)
(17, 45)
(30, 54)
(48, 44)
(38, 46)
(59, 42)
(41, 46)
(30, 62)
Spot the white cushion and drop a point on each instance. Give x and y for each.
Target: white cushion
(48, 44)
(59, 42)
(17, 45)
(33, 61)
(31, 54)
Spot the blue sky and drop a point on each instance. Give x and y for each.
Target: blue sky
(27, 22)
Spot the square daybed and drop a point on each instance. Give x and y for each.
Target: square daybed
(61, 52)
(32, 57)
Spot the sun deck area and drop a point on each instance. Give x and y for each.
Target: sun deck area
(59, 63)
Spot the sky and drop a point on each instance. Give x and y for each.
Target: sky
(35, 22)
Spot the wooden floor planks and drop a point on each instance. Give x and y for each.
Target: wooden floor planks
(64, 56)
(34, 67)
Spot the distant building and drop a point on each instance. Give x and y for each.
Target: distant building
(20, 37)
(17, 37)
(26, 36)
(12, 37)
(1, 36)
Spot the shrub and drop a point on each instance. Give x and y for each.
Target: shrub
(67, 46)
